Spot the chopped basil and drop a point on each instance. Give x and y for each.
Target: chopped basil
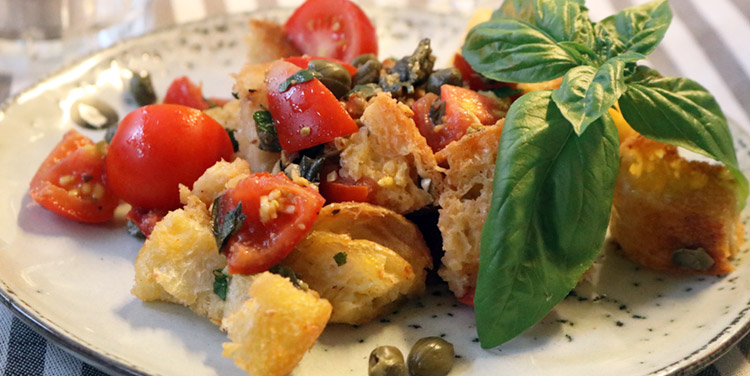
(302, 75)
(309, 168)
(221, 284)
(437, 111)
(340, 258)
(235, 95)
(225, 224)
(134, 231)
(233, 138)
(267, 138)
(288, 273)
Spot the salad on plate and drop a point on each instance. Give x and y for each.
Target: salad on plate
(292, 205)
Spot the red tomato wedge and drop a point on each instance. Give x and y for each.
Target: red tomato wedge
(160, 146)
(307, 113)
(463, 108)
(279, 214)
(332, 28)
(342, 189)
(185, 92)
(146, 219)
(304, 61)
(72, 181)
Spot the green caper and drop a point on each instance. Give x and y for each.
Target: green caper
(386, 361)
(431, 356)
(367, 73)
(364, 58)
(142, 88)
(93, 113)
(693, 259)
(438, 78)
(333, 75)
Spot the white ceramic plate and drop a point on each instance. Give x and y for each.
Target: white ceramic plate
(71, 281)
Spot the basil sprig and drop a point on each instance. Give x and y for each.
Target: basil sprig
(559, 152)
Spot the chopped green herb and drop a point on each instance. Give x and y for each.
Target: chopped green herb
(366, 91)
(340, 258)
(309, 168)
(235, 95)
(233, 138)
(211, 104)
(288, 273)
(267, 138)
(134, 231)
(302, 75)
(221, 284)
(225, 224)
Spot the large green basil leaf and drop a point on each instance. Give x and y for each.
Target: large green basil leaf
(548, 218)
(681, 112)
(586, 93)
(562, 20)
(638, 29)
(513, 50)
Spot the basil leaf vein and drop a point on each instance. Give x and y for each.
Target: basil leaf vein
(639, 29)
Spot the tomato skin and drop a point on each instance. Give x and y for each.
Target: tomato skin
(305, 105)
(475, 80)
(342, 189)
(185, 92)
(468, 298)
(258, 246)
(332, 28)
(463, 108)
(76, 159)
(159, 146)
(146, 219)
(304, 61)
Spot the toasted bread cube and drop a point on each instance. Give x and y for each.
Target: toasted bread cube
(372, 281)
(216, 179)
(383, 226)
(465, 195)
(673, 214)
(390, 151)
(273, 330)
(176, 263)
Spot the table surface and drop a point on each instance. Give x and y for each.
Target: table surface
(708, 41)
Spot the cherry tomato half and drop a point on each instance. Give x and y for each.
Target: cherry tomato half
(307, 113)
(146, 219)
(342, 189)
(72, 181)
(159, 146)
(332, 28)
(279, 214)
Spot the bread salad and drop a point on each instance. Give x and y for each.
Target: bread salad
(282, 210)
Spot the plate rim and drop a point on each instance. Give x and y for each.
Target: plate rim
(688, 365)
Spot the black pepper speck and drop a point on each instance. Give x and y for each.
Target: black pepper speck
(619, 323)
(415, 326)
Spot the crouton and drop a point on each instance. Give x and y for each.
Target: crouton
(465, 195)
(367, 281)
(273, 330)
(227, 115)
(216, 179)
(176, 263)
(252, 96)
(390, 151)
(267, 41)
(672, 214)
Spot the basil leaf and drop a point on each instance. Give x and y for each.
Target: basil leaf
(586, 93)
(288, 273)
(340, 258)
(512, 50)
(309, 168)
(562, 20)
(680, 112)
(302, 75)
(268, 140)
(221, 284)
(548, 217)
(233, 139)
(225, 224)
(639, 29)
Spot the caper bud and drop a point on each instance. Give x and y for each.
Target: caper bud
(93, 113)
(333, 75)
(431, 356)
(142, 88)
(438, 78)
(386, 361)
(362, 59)
(367, 73)
(693, 259)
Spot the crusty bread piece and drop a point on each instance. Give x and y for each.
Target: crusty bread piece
(177, 261)
(389, 150)
(464, 200)
(386, 260)
(267, 41)
(371, 281)
(273, 330)
(216, 179)
(664, 203)
(227, 115)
